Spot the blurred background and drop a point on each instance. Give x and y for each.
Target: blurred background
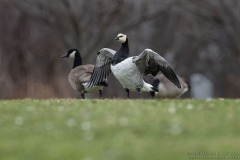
(200, 40)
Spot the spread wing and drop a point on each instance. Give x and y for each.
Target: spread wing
(150, 62)
(102, 67)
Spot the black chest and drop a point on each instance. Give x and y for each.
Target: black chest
(121, 54)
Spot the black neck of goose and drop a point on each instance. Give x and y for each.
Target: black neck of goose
(125, 47)
(122, 53)
(77, 60)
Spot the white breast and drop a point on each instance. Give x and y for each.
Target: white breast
(128, 74)
(93, 88)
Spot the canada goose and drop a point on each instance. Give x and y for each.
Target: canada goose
(81, 74)
(166, 89)
(129, 70)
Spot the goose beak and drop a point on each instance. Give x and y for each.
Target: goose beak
(117, 38)
(64, 56)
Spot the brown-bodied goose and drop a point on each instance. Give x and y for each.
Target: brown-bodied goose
(130, 70)
(81, 74)
(167, 89)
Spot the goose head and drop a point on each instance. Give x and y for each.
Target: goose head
(71, 53)
(74, 54)
(121, 38)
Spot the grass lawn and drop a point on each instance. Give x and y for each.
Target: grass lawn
(67, 129)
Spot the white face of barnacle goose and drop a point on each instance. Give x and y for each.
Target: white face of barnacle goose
(121, 38)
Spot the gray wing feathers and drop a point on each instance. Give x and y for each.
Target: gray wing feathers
(103, 57)
(150, 62)
(102, 67)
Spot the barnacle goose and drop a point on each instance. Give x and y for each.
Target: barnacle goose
(167, 89)
(130, 70)
(81, 74)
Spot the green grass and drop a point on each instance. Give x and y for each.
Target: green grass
(118, 129)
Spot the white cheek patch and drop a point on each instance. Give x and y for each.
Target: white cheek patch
(72, 55)
(122, 39)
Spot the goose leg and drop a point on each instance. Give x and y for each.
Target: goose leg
(82, 95)
(100, 93)
(152, 94)
(127, 91)
(139, 91)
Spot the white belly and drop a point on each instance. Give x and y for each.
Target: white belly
(82, 87)
(93, 88)
(128, 74)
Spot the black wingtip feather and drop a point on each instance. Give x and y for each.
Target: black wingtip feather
(175, 79)
(99, 75)
(169, 73)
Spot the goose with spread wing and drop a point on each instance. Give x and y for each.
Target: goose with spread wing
(167, 89)
(81, 74)
(130, 70)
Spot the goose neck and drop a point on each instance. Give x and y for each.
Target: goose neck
(77, 60)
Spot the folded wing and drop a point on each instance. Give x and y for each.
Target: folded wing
(83, 73)
(102, 67)
(150, 62)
